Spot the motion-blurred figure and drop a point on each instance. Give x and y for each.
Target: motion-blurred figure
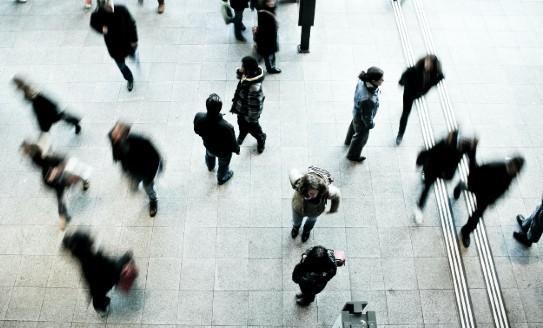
(531, 227)
(265, 35)
(58, 173)
(118, 27)
(417, 81)
(139, 159)
(239, 6)
(101, 272)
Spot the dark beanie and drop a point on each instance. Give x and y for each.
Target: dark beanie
(249, 64)
(213, 104)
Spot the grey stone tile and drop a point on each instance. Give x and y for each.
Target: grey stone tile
(199, 243)
(166, 242)
(126, 308)
(264, 242)
(427, 242)
(163, 273)
(64, 273)
(294, 315)
(404, 306)
(5, 295)
(363, 242)
(531, 301)
(525, 270)
(231, 274)
(58, 304)
(25, 303)
(9, 271)
(377, 301)
(197, 274)
(513, 305)
(232, 242)
(265, 308)
(438, 306)
(366, 274)
(359, 212)
(265, 274)
(433, 273)
(481, 307)
(395, 242)
(399, 273)
(160, 307)
(330, 304)
(195, 307)
(230, 308)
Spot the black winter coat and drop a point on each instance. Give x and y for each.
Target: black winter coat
(121, 30)
(313, 281)
(239, 4)
(249, 98)
(46, 112)
(138, 157)
(489, 181)
(266, 33)
(218, 135)
(440, 161)
(414, 83)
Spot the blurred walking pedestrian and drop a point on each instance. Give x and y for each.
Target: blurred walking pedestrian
(218, 136)
(139, 159)
(239, 6)
(531, 228)
(313, 189)
(248, 101)
(58, 173)
(417, 81)
(441, 161)
(487, 182)
(265, 35)
(46, 111)
(101, 272)
(316, 268)
(118, 27)
(366, 104)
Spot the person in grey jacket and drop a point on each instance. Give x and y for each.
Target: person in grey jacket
(248, 101)
(313, 189)
(531, 228)
(366, 103)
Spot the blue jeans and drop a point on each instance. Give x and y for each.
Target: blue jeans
(297, 219)
(224, 163)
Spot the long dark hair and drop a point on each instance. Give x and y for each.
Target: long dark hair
(436, 65)
(317, 259)
(373, 74)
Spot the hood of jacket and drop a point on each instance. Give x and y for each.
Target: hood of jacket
(255, 79)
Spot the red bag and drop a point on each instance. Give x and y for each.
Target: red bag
(129, 273)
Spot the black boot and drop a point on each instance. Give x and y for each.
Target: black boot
(521, 238)
(153, 207)
(294, 232)
(261, 144)
(305, 236)
(465, 238)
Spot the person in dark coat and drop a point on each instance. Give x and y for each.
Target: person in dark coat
(315, 269)
(55, 176)
(139, 159)
(101, 272)
(487, 182)
(248, 101)
(120, 34)
(531, 228)
(218, 136)
(265, 35)
(441, 161)
(45, 110)
(239, 6)
(366, 104)
(417, 81)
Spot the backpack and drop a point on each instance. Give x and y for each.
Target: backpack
(322, 173)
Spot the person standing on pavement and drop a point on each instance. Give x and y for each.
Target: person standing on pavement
(487, 182)
(417, 81)
(441, 161)
(118, 27)
(265, 35)
(366, 104)
(312, 190)
(316, 268)
(248, 101)
(531, 228)
(239, 6)
(139, 159)
(218, 136)
(45, 110)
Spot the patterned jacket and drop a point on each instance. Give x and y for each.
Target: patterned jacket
(249, 99)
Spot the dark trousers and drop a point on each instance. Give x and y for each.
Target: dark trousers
(100, 301)
(532, 226)
(69, 118)
(224, 163)
(252, 128)
(269, 61)
(473, 220)
(62, 210)
(407, 106)
(127, 74)
(357, 137)
(309, 291)
(428, 182)
(238, 23)
(304, 42)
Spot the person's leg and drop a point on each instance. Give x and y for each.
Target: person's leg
(255, 130)
(149, 187)
(224, 173)
(100, 302)
(358, 140)
(127, 74)
(407, 106)
(307, 295)
(238, 24)
(267, 62)
(350, 133)
(461, 186)
(428, 182)
(64, 217)
(161, 6)
(210, 160)
(243, 129)
(308, 226)
(297, 219)
(473, 220)
(71, 119)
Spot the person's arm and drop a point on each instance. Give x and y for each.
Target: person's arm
(334, 195)
(233, 140)
(297, 273)
(131, 28)
(294, 175)
(368, 108)
(254, 102)
(96, 21)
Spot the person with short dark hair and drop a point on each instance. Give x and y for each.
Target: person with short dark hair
(101, 272)
(218, 136)
(531, 227)
(440, 162)
(487, 182)
(45, 110)
(312, 189)
(248, 101)
(118, 27)
(139, 158)
(417, 81)
(316, 268)
(366, 104)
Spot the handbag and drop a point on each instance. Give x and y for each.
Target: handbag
(227, 12)
(129, 273)
(340, 257)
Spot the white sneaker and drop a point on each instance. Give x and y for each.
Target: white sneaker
(417, 215)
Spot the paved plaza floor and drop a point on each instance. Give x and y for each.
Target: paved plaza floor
(222, 256)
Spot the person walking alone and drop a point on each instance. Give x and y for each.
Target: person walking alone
(46, 111)
(265, 35)
(531, 228)
(312, 189)
(118, 27)
(417, 81)
(366, 104)
(487, 182)
(239, 6)
(139, 159)
(218, 136)
(248, 101)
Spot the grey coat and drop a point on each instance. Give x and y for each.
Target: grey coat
(310, 209)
